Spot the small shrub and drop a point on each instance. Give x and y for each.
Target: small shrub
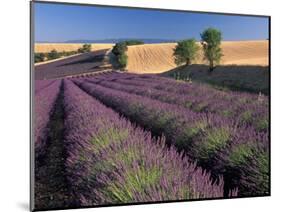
(133, 42)
(53, 55)
(39, 57)
(85, 48)
(213, 141)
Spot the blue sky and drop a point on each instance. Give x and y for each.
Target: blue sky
(60, 22)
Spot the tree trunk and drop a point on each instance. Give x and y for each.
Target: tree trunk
(211, 66)
(188, 62)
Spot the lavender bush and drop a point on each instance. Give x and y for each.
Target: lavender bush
(44, 104)
(40, 85)
(244, 108)
(111, 161)
(205, 137)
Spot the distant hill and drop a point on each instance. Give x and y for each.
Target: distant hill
(145, 40)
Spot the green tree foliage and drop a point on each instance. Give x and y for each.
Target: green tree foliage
(119, 48)
(211, 41)
(186, 51)
(133, 42)
(85, 48)
(53, 55)
(69, 53)
(39, 57)
(122, 60)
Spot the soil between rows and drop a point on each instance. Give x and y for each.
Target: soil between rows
(51, 187)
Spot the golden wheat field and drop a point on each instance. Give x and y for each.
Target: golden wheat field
(47, 47)
(157, 58)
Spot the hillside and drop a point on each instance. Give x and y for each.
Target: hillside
(158, 58)
(74, 65)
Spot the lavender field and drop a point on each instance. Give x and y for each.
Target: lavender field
(119, 138)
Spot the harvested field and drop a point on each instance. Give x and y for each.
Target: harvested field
(47, 47)
(158, 58)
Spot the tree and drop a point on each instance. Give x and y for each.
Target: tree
(186, 51)
(211, 41)
(85, 48)
(53, 55)
(119, 48)
(133, 42)
(122, 60)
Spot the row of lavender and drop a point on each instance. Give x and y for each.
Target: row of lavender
(44, 103)
(111, 161)
(238, 152)
(244, 108)
(41, 85)
(188, 89)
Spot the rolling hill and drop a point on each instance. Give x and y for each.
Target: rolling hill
(158, 58)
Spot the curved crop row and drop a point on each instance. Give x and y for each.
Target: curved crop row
(111, 161)
(253, 115)
(188, 89)
(44, 104)
(247, 109)
(183, 88)
(217, 144)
